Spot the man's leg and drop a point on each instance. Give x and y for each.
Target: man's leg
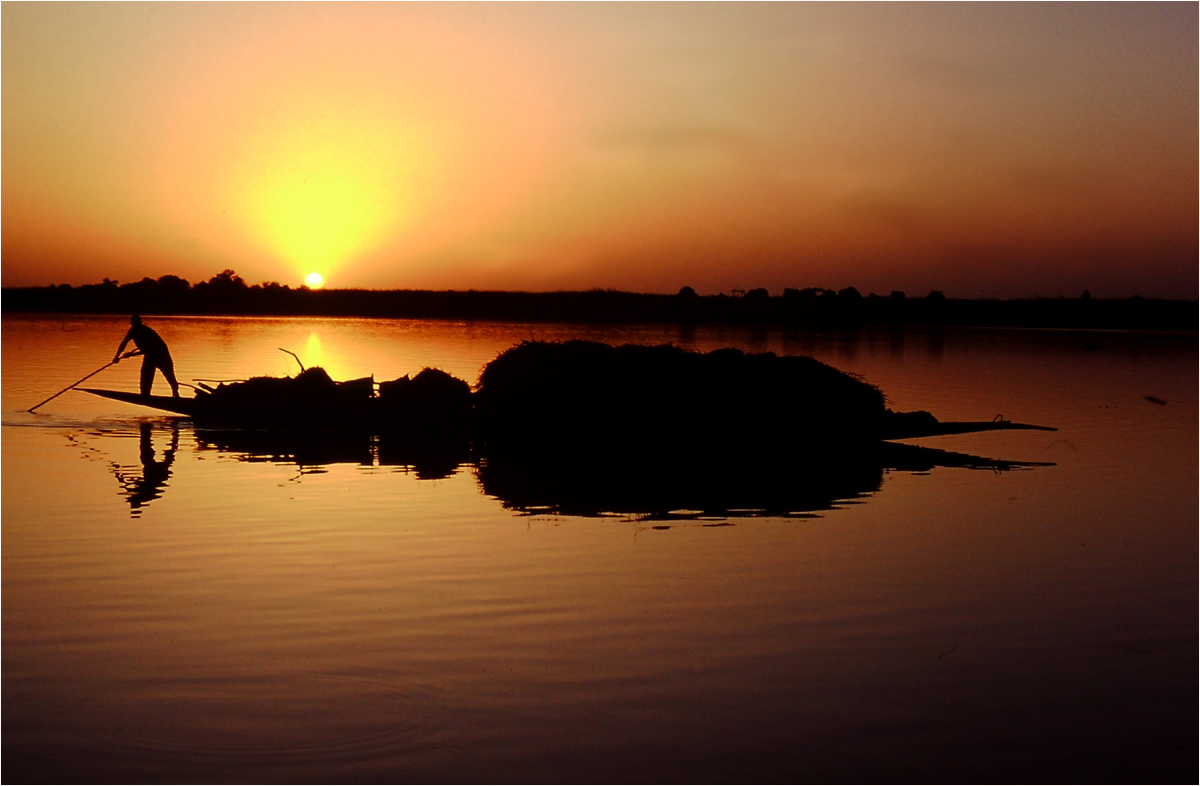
(147, 375)
(168, 370)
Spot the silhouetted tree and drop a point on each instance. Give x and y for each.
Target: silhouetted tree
(145, 286)
(224, 293)
(227, 279)
(173, 284)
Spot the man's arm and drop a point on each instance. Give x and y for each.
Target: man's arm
(120, 349)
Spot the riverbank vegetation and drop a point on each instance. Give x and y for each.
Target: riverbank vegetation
(228, 294)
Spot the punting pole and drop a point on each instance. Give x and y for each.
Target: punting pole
(130, 354)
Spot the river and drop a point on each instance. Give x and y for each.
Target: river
(177, 609)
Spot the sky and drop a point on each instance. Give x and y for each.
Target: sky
(998, 150)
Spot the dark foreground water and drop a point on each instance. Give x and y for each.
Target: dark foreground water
(178, 607)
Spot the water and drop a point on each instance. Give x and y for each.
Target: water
(198, 614)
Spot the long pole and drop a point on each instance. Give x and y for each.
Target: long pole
(130, 354)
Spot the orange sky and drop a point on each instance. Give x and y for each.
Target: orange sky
(999, 149)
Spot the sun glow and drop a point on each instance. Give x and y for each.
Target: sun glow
(314, 280)
(325, 180)
(319, 217)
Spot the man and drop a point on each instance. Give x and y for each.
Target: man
(154, 355)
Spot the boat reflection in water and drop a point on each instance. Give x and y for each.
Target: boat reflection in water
(642, 481)
(142, 489)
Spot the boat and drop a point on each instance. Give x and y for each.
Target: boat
(312, 400)
(588, 395)
(176, 405)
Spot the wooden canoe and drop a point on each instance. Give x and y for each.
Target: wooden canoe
(178, 406)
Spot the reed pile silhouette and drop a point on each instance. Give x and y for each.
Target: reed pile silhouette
(540, 395)
(432, 403)
(311, 398)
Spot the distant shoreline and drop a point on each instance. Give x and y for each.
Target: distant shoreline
(230, 296)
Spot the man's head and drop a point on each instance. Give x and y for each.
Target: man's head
(135, 320)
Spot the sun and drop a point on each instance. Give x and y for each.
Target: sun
(319, 208)
(314, 280)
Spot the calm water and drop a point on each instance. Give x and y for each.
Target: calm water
(178, 611)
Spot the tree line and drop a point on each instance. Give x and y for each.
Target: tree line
(228, 294)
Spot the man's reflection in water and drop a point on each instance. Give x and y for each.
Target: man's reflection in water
(140, 491)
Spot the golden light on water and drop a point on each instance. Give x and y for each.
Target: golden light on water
(313, 353)
(314, 280)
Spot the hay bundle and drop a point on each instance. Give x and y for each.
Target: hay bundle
(430, 403)
(310, 399)
(546, 395)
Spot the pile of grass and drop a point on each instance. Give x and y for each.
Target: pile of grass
(430, 404)
(310, 399)
(545, 395)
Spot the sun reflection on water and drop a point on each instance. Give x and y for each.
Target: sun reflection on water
(313, 354)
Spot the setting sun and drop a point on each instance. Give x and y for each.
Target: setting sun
(320, 217)
(314, 280)
(322, 179)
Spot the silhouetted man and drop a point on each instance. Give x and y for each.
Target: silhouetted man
(154, 355)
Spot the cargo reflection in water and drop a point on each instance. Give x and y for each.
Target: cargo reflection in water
(311, 451)
(641, 481)
(703, 484)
